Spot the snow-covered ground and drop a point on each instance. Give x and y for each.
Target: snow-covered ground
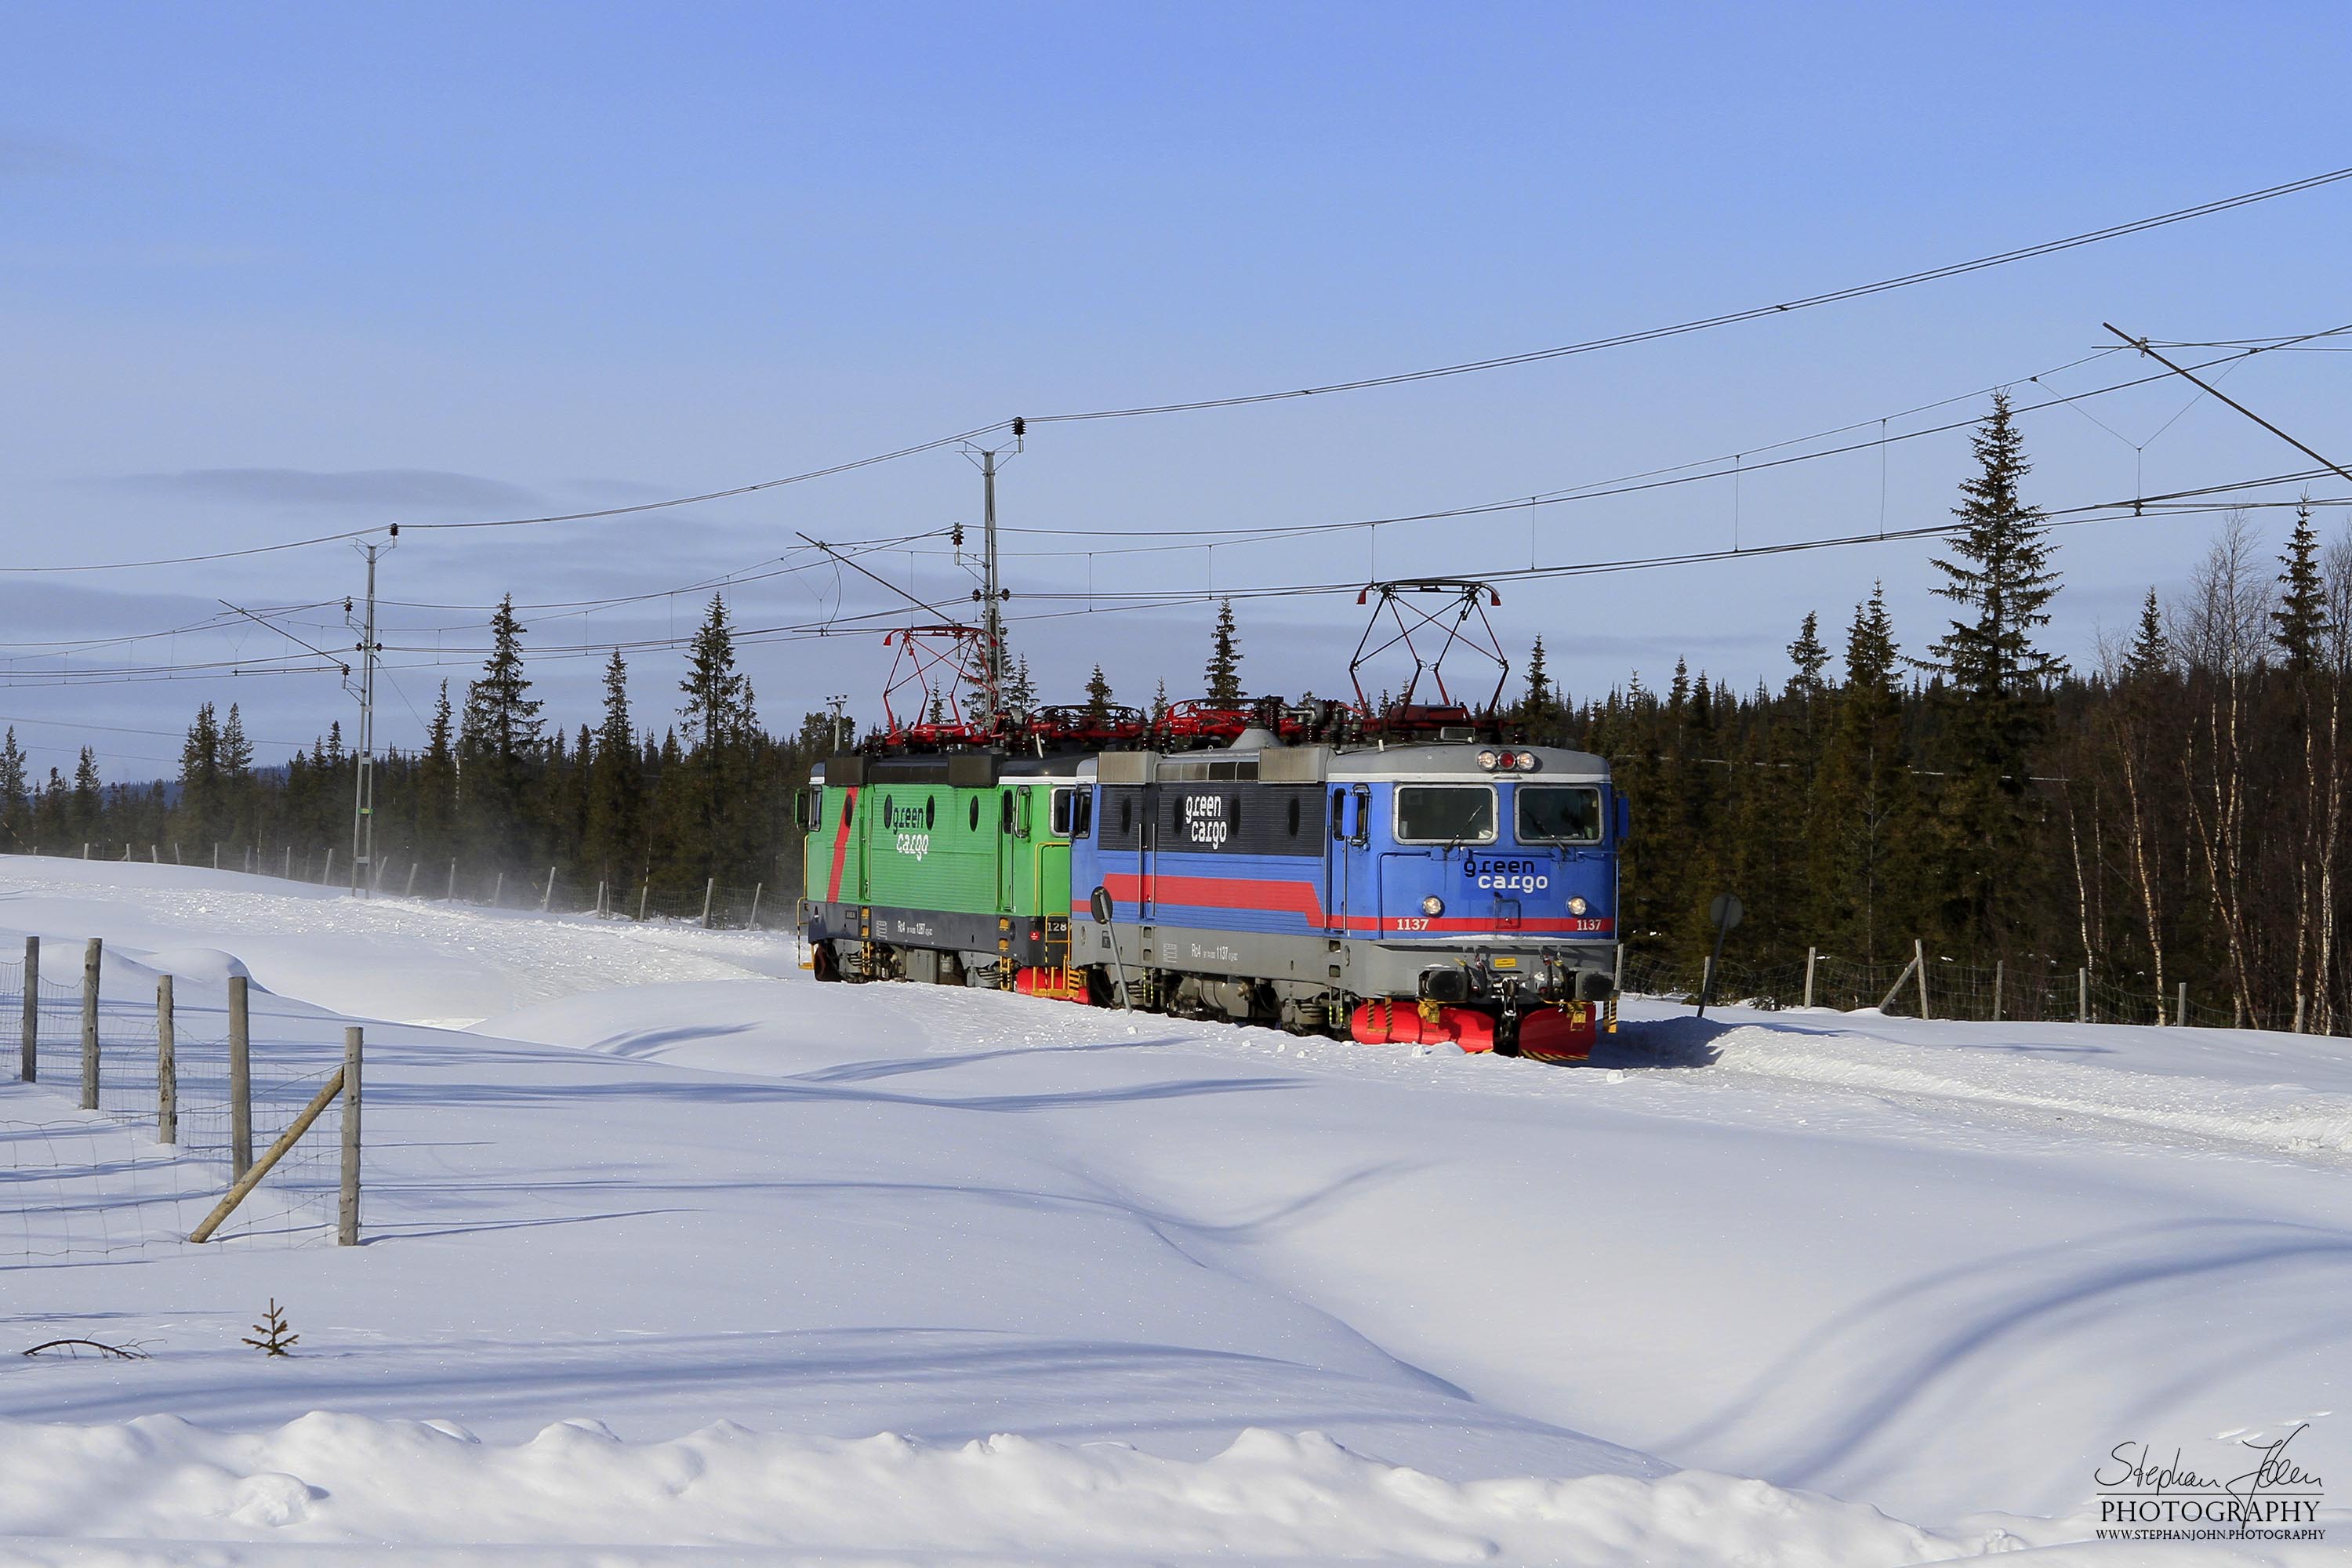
(661, 1236)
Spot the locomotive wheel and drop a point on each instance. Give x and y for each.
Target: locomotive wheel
(823, 964)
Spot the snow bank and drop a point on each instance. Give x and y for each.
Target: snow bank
(348, 1479)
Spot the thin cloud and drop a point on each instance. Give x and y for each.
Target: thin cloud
(27, 157)
(413, 492)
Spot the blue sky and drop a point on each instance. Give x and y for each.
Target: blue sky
(271, 271)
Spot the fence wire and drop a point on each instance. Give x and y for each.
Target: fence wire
(101, 1182)
(720, 906)
(78, 1188)
(1971, 992)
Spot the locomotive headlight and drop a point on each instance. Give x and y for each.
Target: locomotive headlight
(1433, 905)
(1490, 760)
(1577, 906)
(1527, 761)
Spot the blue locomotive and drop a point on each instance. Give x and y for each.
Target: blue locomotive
(1439, 891)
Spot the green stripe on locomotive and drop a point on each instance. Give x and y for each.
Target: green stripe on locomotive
(926, 845)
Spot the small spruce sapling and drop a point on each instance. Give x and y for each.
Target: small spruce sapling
(274, 1340)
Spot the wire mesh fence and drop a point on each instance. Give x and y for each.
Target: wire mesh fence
(1941, 988)
(75, 1188)
(720, 906)
(723, 906)
(103, 1152)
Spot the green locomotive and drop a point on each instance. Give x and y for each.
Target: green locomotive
(942, 868)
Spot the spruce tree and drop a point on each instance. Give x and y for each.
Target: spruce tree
(2299, 625)
(89, 794)
(1540, 710)
(16, 799)
(502, 723)
(2150, 654)
(435, 808)
(239, 809)
(1811, 658)
(499, 744)
(1224, 671)
(1863, 831)
(615, 792)
(1997, 707)
(1098, 696)
(717, 709)
(712, 797)
(1999, 571)
(200, 777)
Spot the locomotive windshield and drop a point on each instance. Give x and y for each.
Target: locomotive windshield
(1445, 814)
(1559, 814)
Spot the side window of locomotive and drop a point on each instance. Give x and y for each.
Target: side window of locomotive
(1063, 812)
(808, 808)
(930, 812)
(1360, 815)
(1082, 813)
(1005, 812)
(1291, 816)
(1446, 814)
(1559, 814)
(975, 814)
(846, 796)
(1339, 815)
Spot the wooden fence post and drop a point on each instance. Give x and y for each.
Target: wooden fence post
(2180, 1014)
(91, 957)
(753, 923)
(167, 1071)
(1896, 989)
(1811, 953)
(412, 879)
(29, 1068)
(2082, 996)
(1997, 977)
(547, 897)
(241, 1080)
(708, 888)
(347, 1206)
(643, 893)
(452, 894)
(276, 1152)
(1919, 958)
(327, 876)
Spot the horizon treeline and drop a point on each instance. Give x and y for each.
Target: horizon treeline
(2176, 813)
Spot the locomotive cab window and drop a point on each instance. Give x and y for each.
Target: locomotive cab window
(1559, 814)
(1446, 814)
(1071, 812)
